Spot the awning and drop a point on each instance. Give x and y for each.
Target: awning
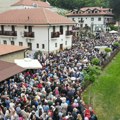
(8, 70)
(28, 63)
(113, 32)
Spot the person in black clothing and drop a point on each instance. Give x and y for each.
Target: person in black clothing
(55, 115)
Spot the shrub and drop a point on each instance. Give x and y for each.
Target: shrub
(95, 61)
(37, 53)
(91, 73)
(116, 44)
(112, 27)
(107, 50)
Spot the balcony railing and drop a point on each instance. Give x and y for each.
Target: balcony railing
(8, 33)
(110, 22)
(69, 33)
(55, 34)
(75, 28)
(29, 34)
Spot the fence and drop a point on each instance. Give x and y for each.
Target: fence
(109, 59)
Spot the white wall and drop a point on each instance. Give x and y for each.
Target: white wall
(41, 37)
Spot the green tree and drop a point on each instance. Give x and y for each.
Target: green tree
(77, 4)
(115, 4)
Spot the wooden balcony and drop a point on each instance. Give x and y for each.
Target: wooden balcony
(8, 33)
(55, 34)
(29, 34)
(69, 33)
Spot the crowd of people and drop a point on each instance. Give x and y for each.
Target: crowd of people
(53, 92)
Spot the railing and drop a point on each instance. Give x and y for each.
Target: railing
(107, 61)
(69, 33)
(75, 28)
(110, 22)
(8, 33)
(55, 34)
(29, 34)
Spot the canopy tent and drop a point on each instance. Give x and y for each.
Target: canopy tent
(28, 63)
(8, 70)
(113, 32)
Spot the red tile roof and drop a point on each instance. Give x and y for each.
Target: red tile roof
(31, 3)
(102, 12)
(8, 70)
(37, 16)
(91, 8)
(6, 49)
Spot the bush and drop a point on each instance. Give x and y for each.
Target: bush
(37, 53)
(112, 27)
(91, 73)
(95, 61)
(107, 50)
(116, 44)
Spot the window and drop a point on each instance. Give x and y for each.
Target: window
(13, 28)
(37, 45)
(20, 43)
(65, 42)
(4, 42)
(74, 12)
(99, 19)
(67, 28)
(30, 45)
(81, 25)
(96, 11)
(29, 28)
(43, 46)
(55, 44)
(53, 28)
(108, 19)
(89, 11)
(73, 19)
(2, 28)
(25, 27)
(12, 42)
(92, 19)
(61, 29)
(86, 25)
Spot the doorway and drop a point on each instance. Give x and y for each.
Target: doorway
(61, 47)
(30, 45)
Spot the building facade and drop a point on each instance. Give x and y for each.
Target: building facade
(38, 29)
(97, 18)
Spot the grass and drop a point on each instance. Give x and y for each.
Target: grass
(104, 94)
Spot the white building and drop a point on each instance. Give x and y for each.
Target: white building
(28, 4)
(39, 29)
(97, 18)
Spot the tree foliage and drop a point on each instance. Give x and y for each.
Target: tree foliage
(77, 4)
(115, 4)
